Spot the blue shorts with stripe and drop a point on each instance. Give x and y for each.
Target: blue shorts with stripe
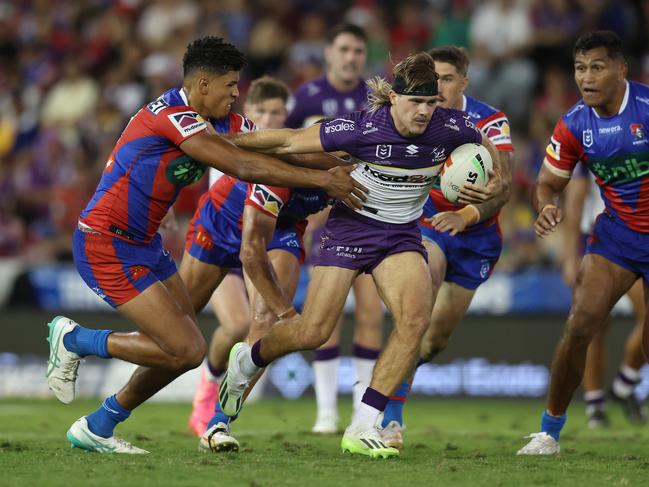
(616, 242)
(470, 255)
(215, 238)
(117, 270)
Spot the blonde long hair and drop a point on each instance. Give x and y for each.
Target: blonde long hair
(417, 69)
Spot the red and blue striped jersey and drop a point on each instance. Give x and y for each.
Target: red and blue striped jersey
(146, 170)
(615, 149)
(495, 125)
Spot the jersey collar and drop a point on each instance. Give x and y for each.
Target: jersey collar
(625, 100)
(464, 103)
(181, 91)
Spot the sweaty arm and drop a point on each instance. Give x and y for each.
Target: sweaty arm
(281, 141)
(545, 199)
(258, 228)
(223, 155)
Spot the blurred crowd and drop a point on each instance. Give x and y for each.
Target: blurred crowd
(72, 73)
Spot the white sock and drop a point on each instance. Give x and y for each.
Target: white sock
(363, 368)
(326, 386)
(625, 381)
(247, 366)
(365, 417)
(595, 401)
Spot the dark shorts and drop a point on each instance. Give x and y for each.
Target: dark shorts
(616, 242)
(214, 238)
(353, 241)
(470, 256)
(118, 270)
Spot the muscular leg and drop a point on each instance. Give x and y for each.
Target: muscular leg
(232, 309)
(408, 298)
(200, 279)
(324, 301)
(368, 333)
(593, 300)
(167, 322)
(593, 382)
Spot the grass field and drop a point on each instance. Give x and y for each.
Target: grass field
(449, 442)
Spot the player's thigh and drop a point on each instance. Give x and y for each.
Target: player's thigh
(449, 308)
(600, 284)
(230, 304)
(404, 283)
(436, 263)
(200, 279)
(159, 315)
(325, 299)
(637, 298)
(369, 307)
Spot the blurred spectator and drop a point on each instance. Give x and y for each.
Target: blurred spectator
(500, 73)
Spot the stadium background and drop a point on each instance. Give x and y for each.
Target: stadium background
(73, 72)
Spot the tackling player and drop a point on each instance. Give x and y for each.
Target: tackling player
(381, 238)
(460, 256)
(607, 130)
(265, 107)
(341, 90)
(119, 253)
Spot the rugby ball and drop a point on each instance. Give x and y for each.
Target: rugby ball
(468, 163)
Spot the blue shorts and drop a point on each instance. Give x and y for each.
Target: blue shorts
(470, 256)
(214, 238)
(618, 243)
(118, 270)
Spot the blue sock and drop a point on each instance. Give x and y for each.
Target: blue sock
(552, 424)
(394, 409)
(219, 416)
(103, 421)
(84, 341)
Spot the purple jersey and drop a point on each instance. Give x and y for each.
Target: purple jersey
(398, 171)
(317, 99)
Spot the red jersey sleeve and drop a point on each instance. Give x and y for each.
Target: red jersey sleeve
(178, 123)
(563, 152)
(496, 128)
(267, 199)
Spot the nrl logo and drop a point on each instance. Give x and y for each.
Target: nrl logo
(383, 151)
(587, 137)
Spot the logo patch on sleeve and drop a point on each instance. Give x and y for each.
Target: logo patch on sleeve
(187, 123)
(266, 199)
(554, 149)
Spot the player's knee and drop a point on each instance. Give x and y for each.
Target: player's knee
(192, 355)
(416, 324)
(583, 324)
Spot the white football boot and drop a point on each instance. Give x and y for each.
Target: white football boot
(218, 439)
(540, 444)
(235, 382)
(62, 365)
(392, 435)
(80, 436)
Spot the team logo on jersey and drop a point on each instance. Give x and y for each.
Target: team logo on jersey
(637, 130)
(184, 170)
(498, 132)
(439, 154)
(554, 149)
(187, 123)
(587, 138)
(330, 107)
(265, 198)
(484, 270)
(383, 151)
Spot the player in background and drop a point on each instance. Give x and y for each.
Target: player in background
(382, 238)
(119, 253)
(460, 257)
(582, 204)
(607, 131)
(341, 90)
(265, 107)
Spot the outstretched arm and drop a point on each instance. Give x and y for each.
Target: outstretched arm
(281, 141)
(217, 152)
(258, 229)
